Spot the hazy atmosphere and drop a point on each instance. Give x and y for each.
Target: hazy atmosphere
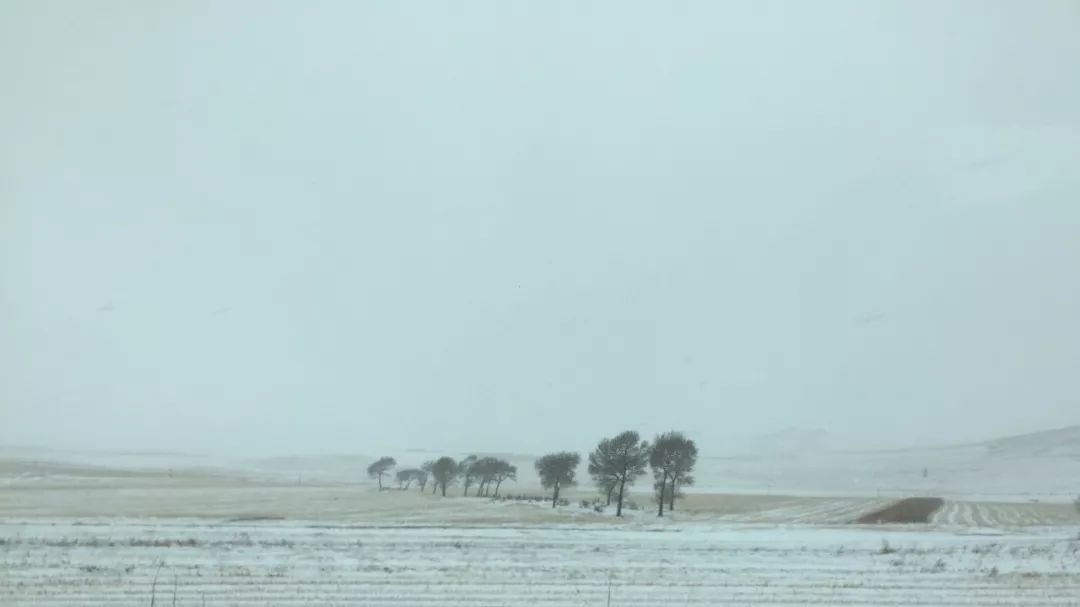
(266, 228)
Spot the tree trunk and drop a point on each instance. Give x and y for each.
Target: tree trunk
(671, 505)
(622, 485)
(663, 485)
(497, 485)
(434, 487)
(555, 500)
(444, 489)
(380, 481)
(610, 488)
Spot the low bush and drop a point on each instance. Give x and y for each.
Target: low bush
(529, 498)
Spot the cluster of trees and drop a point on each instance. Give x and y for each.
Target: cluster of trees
(616, 464)
(618, 461)
(486, 473)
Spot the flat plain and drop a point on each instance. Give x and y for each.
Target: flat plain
(129, 530)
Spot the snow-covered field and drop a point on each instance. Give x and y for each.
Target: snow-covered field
(294, 563)
(117, 529)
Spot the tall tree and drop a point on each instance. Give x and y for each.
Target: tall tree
(557, 470)
(484, 470)
(444, 472)
(504, 471)
(681, 473)
(466, 472)
(672, 459)
(620, 460)
(380, 467)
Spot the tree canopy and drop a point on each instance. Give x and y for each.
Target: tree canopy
(557, 470)
(444, 471)
(672, 459)
(619, 460)
(380, 467)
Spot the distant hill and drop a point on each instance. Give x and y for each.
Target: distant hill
(792, 441)
(1062, 442)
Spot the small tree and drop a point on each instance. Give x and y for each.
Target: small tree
(405, 478)
(619, 460)
(425, 472)
(444, 471)
(672, 459)
(604, 480)
(380, 467)
(557, 470)
(606, 484)
(504, 471)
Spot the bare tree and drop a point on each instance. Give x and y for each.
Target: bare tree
(557, 470)
(380, 467)
(444, 471)
(620, 459)
(672, 459)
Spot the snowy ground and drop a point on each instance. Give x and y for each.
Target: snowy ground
(294, 563)
(86, 531)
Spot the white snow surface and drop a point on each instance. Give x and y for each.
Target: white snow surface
(46, 562)
(158, 529)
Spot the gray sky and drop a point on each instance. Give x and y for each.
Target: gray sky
(338, 226)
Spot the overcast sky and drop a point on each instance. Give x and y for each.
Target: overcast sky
(340, 226)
